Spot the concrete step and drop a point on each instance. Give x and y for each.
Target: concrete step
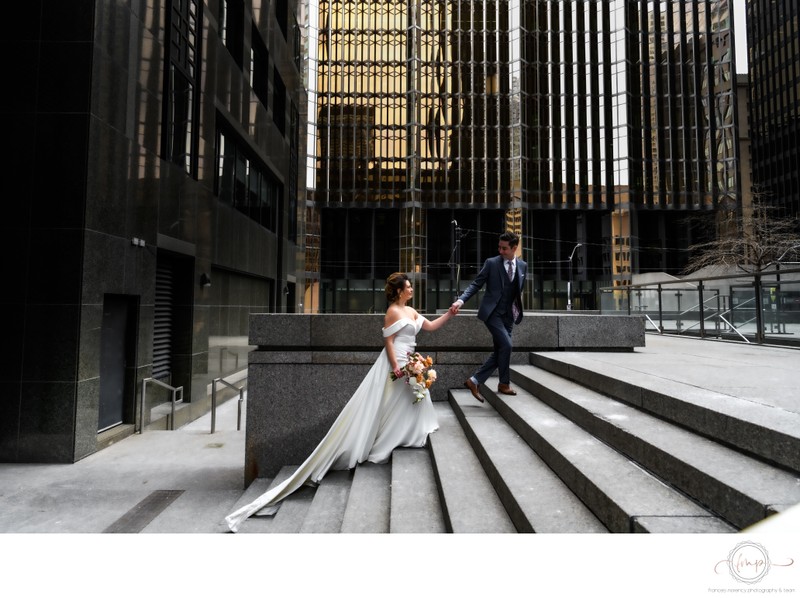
(557, 458)
(289, 518)
(622, 495)
(326, 513)
(400, 496)
(415, 499)
(369, 502)
(762, 430)
(469, 501)
(742, 489)
(535, 497)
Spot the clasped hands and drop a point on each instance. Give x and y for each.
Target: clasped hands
(455, 307)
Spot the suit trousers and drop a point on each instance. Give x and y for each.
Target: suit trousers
(500, 327)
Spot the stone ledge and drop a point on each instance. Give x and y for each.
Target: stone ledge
(306, 366)
(362, 332)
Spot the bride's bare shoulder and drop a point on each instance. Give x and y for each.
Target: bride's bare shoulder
(393, 313)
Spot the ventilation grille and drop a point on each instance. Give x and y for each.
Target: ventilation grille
(162, 322)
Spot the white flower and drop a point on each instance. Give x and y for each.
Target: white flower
(418, 375)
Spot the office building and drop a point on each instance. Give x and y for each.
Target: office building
(603, 132)
(156, 169)
(773, 39)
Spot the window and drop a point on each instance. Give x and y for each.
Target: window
(231, 28)
(279, 104)
(259, 68)
(245, 183)
(282, 16)
(182, 78)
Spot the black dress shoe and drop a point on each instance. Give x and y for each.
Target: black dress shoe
(473, 388)
(506, 389)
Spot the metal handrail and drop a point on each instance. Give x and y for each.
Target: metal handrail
(700, 307)
(174, 390)
(673, 282)
(757, 280)
(732, 327)
(214, 403)
(751, 320)
(656, 326)
(719, 315)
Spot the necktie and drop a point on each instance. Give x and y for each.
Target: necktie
(514, 310)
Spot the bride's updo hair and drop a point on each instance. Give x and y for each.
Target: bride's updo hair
(395, 285)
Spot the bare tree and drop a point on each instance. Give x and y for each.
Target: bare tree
(752, 242)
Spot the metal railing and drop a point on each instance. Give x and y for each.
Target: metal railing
(214, 403)
(174, 390)
(757, 307)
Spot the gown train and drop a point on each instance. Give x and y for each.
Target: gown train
(379, 417)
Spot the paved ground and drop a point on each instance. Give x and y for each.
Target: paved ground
(176, 487)
(101, 492)
(186, 481)
(769, 375)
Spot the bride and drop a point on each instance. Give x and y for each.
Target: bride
(382, 414)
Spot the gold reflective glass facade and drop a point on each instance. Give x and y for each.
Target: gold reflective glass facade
(573, 122)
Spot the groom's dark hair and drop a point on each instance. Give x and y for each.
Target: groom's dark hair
(511, 238)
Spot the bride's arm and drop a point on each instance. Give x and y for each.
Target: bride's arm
(392, 315)
(388, 342)
(430, 326)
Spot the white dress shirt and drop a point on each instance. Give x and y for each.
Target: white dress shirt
(513, 267)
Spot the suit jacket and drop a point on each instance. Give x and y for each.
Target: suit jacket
(494, 276)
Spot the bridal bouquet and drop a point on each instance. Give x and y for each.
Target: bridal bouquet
(419, 375)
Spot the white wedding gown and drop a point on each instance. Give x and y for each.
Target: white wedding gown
(379, 417)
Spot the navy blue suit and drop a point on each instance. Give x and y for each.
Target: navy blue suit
(496, 312)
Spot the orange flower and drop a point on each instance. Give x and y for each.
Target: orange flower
(418, 374)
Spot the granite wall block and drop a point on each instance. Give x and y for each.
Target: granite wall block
(307, 366)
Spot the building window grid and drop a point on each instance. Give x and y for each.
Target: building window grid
(451, 124)
(775, 83)
(361, 161)
(181, 106)
(244, 183)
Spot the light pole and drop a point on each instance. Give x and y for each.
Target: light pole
(569, 282)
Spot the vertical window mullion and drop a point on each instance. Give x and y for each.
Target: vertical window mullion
(180, 97)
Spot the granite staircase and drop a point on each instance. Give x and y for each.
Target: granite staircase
(577, 451)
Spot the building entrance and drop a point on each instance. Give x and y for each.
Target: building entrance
(117, 355)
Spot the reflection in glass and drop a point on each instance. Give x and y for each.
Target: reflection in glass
(592, 122)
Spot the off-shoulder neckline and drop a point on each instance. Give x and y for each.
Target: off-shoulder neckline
(414, 321)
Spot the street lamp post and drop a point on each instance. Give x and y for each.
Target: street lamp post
(569, 282)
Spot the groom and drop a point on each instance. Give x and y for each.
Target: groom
(500, 309)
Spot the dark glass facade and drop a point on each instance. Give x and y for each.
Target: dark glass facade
(157, 152)
(603, 124)
(773, 37)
